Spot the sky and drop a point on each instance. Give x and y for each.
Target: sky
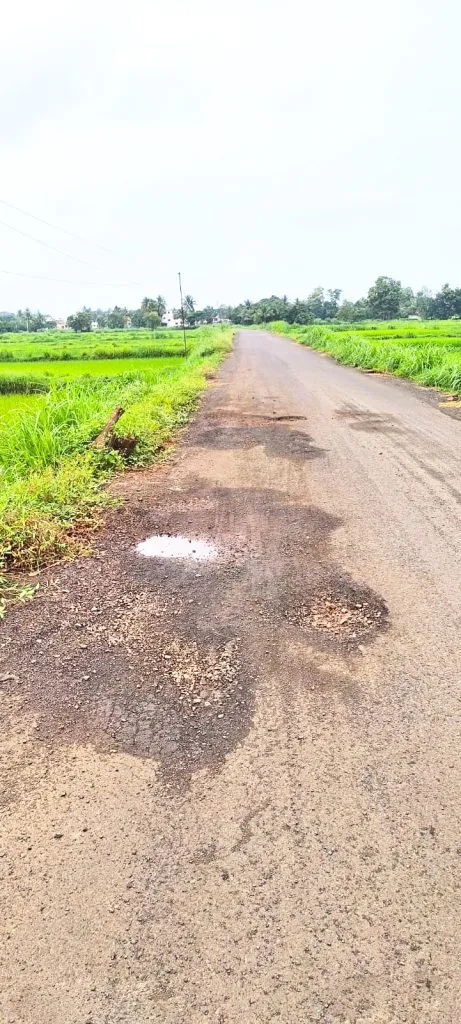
(258, 146)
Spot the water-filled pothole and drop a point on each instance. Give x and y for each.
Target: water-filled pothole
(163, 545)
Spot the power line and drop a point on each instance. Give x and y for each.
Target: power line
(55, 227)
(46, 244)
(60, 280)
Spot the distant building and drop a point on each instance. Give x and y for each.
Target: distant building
(170, 320)
(94, 325)
(414, 316)
(61, 325)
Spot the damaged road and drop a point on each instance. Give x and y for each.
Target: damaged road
(231, 778)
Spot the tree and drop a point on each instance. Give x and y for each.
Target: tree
(80, 321)
(27, 317)
(316, 304)
(150, 312)
(300, 313)
(424, 304)
(161, 305)
(100, 317)
(346, 311)
(152, 319)
(207, 314)
(384, 298)
(116, 318)
(37, 321)
(447, 303)
(137, 318)
(407, 305)
(148, 306)
(332, 303)
(10, 322)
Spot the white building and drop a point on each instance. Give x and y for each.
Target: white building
(170, 320)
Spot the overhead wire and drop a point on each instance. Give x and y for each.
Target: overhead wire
(55, 227)
(61, 280)
(40, 242)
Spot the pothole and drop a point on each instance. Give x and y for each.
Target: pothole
(288, 419)
(197, 681)
(163, 545)
(192, 704)
(344, 613)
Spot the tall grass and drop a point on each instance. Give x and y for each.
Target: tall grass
(424, 359)
(52, 482)
(22, 384)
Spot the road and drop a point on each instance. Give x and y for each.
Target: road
(232, 788)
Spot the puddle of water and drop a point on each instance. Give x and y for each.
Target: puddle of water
(164, 546)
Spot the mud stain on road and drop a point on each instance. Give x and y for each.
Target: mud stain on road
(369, 422)
(276, 440)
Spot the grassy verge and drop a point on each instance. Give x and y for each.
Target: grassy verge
(419, 354)
(52, 484)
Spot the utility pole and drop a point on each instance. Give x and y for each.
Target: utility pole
(182, 315)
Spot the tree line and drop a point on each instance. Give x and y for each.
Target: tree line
(387, 299)
(149, 314)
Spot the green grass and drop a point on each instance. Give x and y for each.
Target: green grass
(14, 405)
(87, 367)
(428, 353)
(51, 481)
(58, 345)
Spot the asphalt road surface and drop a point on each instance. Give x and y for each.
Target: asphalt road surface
(231, 789)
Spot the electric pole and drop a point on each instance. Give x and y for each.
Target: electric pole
(182, 315)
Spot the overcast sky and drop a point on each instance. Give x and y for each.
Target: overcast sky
(259, 146)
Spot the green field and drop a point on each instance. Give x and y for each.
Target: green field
(51, 479)
(427, 352)
(89, 367)
(52, 345)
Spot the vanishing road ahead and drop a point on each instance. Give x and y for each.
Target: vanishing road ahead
(232, 788)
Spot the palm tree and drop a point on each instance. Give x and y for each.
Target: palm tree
(161, 305)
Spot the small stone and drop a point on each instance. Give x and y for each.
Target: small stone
(58, 835)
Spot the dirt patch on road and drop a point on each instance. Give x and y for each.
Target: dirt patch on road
(340, 613)
(369, 422)
(277, 440)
